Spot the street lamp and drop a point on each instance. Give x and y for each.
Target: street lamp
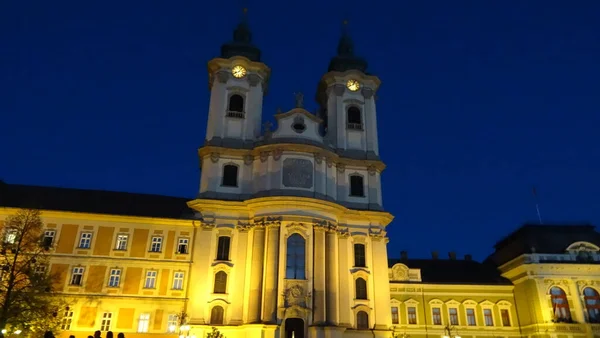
(448, 332)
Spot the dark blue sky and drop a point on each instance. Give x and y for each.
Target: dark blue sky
(480, 100)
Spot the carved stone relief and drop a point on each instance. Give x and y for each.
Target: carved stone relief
(297, 173)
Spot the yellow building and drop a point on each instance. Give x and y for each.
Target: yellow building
(287, 236)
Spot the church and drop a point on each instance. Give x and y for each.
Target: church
(287, 236)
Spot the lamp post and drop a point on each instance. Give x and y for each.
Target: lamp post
(448, 332)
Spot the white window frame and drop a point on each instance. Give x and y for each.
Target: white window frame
(150, 281)
(121, 242)
(504, 305)
(397, 314)
(183, 241)
(487, 305)
(156, 242)
(85, 238)
(172, 321)
(77, 271)
(106, 321)
(143, 323)
(114, 278)
(467, 308)
(415, 304)
(51, 233)
(178, 277)
(11, 236)
(67, 320)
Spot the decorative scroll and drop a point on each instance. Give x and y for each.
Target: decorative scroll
(267, 221)
(325, 225)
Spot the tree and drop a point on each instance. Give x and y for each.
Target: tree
(26, 296)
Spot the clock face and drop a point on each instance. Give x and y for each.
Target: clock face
(353, 85)
(238, 72)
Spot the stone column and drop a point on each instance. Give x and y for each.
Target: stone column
(345, 285)
(319, 276)
(331, 297)
(237, 290)
(199, 272)
(578, 305)
(258, 249)
(271, 273)
(381, 284)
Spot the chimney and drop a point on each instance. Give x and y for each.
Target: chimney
(468, 257)
(452, 255)
(403, 255)
(434, 255)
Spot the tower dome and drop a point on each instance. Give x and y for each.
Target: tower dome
(241, 45)
(345, 58)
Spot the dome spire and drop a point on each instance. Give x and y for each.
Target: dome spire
(242, 41)
(345, 58)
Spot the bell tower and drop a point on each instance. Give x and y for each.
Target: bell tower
(346, 95)
(238, 82)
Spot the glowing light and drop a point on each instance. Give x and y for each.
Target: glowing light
(4, 331)
(18, 331)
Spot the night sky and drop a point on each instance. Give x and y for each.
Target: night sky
(480, 100)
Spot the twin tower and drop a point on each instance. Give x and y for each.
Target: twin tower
(241, 157)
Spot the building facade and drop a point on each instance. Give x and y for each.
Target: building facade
(287, 236)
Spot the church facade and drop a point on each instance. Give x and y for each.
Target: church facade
(287, 236)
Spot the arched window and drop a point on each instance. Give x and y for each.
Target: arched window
(236, 103)
(359, 256)
(220, 282)
(592, 304)
(361, 288)
(230, 174)
(295, 258)
(216, 315)
(362, 320)
(560, 305)
(357, 187)
(354, 118)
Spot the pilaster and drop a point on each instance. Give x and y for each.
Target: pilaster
(255, 296)
(381, 299)
(271, 273)
(332, 277)
(319, 276)
(344, 279)
(199, 272)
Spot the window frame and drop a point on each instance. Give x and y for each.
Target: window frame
(507, 311)
(143, 323)
(159, 243)
(358, 295)
(438, 315)
(395, 315)
(118, 241)
(359, 322)
(151, 275)
(117, 277)
(46, 232)
(562, 307)
(488, 318)
(410, 315)
(82, 239)
(220, 283)
(186, 245)
(467, 316)
(77, 271)
(351, 191)
(453, 315)
(358, 257)
(106, 321)
(299, 271)
(219, 249)
(225, 178)
(595, 319)
(354, 125)
(67, 320)
(178, 279)
(221, 315)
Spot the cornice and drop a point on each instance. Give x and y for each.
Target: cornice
(107, 218)
(257, 205)
(265, 150)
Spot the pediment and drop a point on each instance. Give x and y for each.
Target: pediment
(298, 124)
(436, 302)
(452, 302)
(411, 302)
(470, 302)
(582, 246)
(486, 303)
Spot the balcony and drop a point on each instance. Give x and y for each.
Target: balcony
(236, 114)
(354, 126)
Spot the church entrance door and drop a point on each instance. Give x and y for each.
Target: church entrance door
(295, 326)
